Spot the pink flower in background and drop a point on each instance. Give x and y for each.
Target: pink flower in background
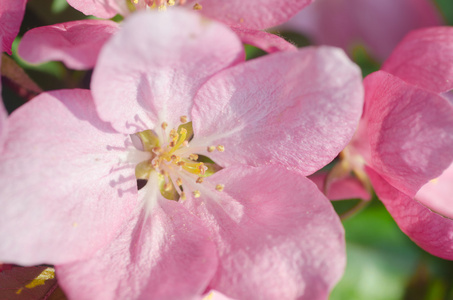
(11, 14)
(405, 138)
(378, 25)
(254, 228)
(77, 43)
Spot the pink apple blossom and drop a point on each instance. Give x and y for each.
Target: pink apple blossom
(11, 14)
(77, 43)
(254, 228)
(378, 25)
(405, 138)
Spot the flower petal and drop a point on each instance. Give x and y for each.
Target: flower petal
(252, 14)
(164, 255)
(436, 194)
(105, 9)
(75, 43)
(425, 58)
(285, 241)
(429, 230)
(64, 185)
(145, 77)
(298, 109)
(11, 15)
(264, 40)
(410, 132)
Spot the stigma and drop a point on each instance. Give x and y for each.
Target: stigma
(180, 170)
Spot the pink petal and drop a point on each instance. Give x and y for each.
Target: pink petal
(105, 9)
(11, 15)
(64, 190)
(75, 43)
(252, 14)
(283, 240)
(379, 25)
(298, 109)
(425, 58)
(341, 189)
(410, 132)
(436, 194)
(150, 76)
(429, 230)
(265, 41)
(164, 255)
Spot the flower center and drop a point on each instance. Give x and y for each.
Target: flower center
(180, 169)
(160, 5)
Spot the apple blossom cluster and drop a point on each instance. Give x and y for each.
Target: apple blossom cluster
(186, 171)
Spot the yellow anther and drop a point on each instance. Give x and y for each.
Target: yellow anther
(162, 7)
(155, 163)
(202, 168)
(193, 156)
(173, 134)
(197, 6)
(167, 186)
(211, 148)
(182, 196)
(220, 148)
(179, 182)
(164, 124)
(183, 119)
(171, 2)
(181, 163)
(183, 131)
(196, 194)
(157, 150)
(220, 187)
(172, 144)
(199, 180)
(173, 157)
(135, 1)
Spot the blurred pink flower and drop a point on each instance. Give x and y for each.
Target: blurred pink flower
(378, 25)
(405, 138)
(77, 43)
(257, 228)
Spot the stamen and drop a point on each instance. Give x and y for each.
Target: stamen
(220, 187)
(167, 186)
(172, 144)
(181, 163)
(197, 6)
(179, 182)
(202, 168)
(157, 150)
(171, 2)
(220, 148)
(164, 124)
(182, 196)
(199, 180)
(193, 156)
(196, 194)
(183, 119)
(211, 148)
